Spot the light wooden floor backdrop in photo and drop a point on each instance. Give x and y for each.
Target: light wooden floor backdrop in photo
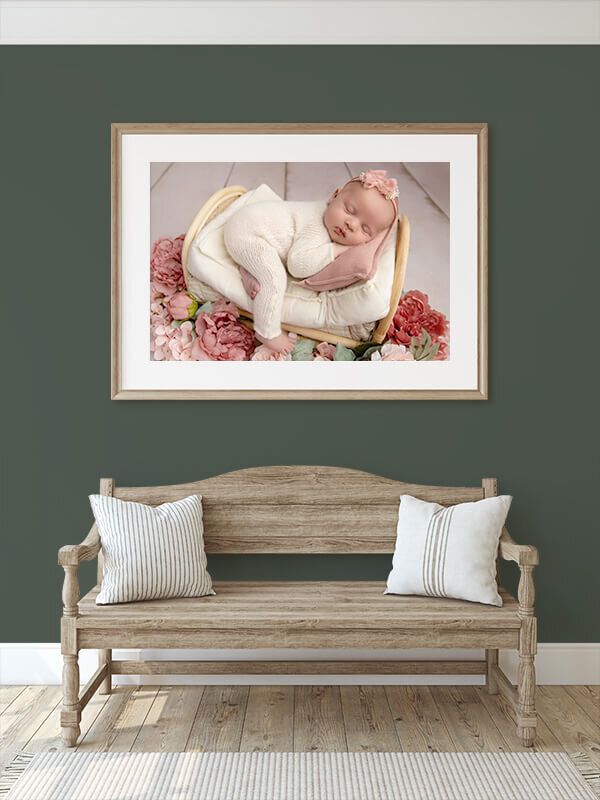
(300, 719)
(178, 191)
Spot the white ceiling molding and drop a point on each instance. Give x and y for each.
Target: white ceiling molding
(288, 22)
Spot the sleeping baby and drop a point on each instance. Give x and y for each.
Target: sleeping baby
(325, 249)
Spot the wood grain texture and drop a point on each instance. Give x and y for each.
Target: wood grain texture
(569, 722)
(105, 728)
(27, 713)
(318, 720)
(297, 509)
(169, 721)
(219, 720)
(112, 723)
(419, 725)
(7, 695)
(468, 722)
(282, 667)
(48, 737)
(588, 697)
(505, 719)
(129, 715)
(268, 725)
(368, 720)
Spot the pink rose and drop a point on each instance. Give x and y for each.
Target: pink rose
(165, 264)
(393, 352)
(182, 305)
(324, 352)
(220, 336)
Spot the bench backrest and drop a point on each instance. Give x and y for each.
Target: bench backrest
(299, 509)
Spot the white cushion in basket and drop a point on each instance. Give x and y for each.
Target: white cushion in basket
(362, 302)
(448, 552)
(151, 553)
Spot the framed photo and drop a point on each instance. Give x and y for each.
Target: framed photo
(299, 261)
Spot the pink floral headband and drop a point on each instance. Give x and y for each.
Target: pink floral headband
(376, 179)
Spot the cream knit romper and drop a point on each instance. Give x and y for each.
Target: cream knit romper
(265, 237)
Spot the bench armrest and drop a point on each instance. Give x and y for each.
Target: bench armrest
(73, 554)
(526, 556)
(521, 554)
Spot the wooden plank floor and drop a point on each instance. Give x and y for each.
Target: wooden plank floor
(300, 718)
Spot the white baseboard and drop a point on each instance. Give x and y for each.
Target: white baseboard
(555, 664)
(289, 22)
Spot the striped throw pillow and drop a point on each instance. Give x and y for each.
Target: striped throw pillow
(151, 553)
(448, 552)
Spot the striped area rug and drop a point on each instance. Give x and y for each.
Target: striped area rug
(296, 776)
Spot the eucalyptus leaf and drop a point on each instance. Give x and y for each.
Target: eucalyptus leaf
(362, 348)
(366, 356)
(343, 353)
(303, 351)
(206, 307)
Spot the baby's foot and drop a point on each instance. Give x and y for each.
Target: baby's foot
(251, 285)
(279, 344)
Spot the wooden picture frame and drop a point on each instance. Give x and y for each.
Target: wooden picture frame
(136, 147)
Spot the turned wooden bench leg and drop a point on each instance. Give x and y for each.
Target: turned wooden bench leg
(105, 657)
(70, 715)
(526, 714)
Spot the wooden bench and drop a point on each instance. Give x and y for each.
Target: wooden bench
(298, 510)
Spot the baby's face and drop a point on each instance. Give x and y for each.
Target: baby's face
(355, 215)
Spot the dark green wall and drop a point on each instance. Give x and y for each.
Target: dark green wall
(61, 430)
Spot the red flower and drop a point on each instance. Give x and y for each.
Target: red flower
(413, 315)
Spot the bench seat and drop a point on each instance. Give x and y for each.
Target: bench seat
(246, 614)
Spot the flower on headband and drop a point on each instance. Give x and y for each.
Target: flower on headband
(376, 179)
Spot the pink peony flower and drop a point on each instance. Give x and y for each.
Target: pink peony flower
(165, 264)
(324, 352)
(221, 337)
(393, 352)
(182, 305)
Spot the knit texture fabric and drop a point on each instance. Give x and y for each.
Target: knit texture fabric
(271, 239)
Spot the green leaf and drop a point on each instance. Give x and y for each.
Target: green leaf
(366, 356)
(425, 338)
(363, 347)
(303, 351)
(343, 353)
(206, 307)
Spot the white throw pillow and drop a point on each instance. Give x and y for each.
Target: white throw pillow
(448, 552)
(151, 553)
